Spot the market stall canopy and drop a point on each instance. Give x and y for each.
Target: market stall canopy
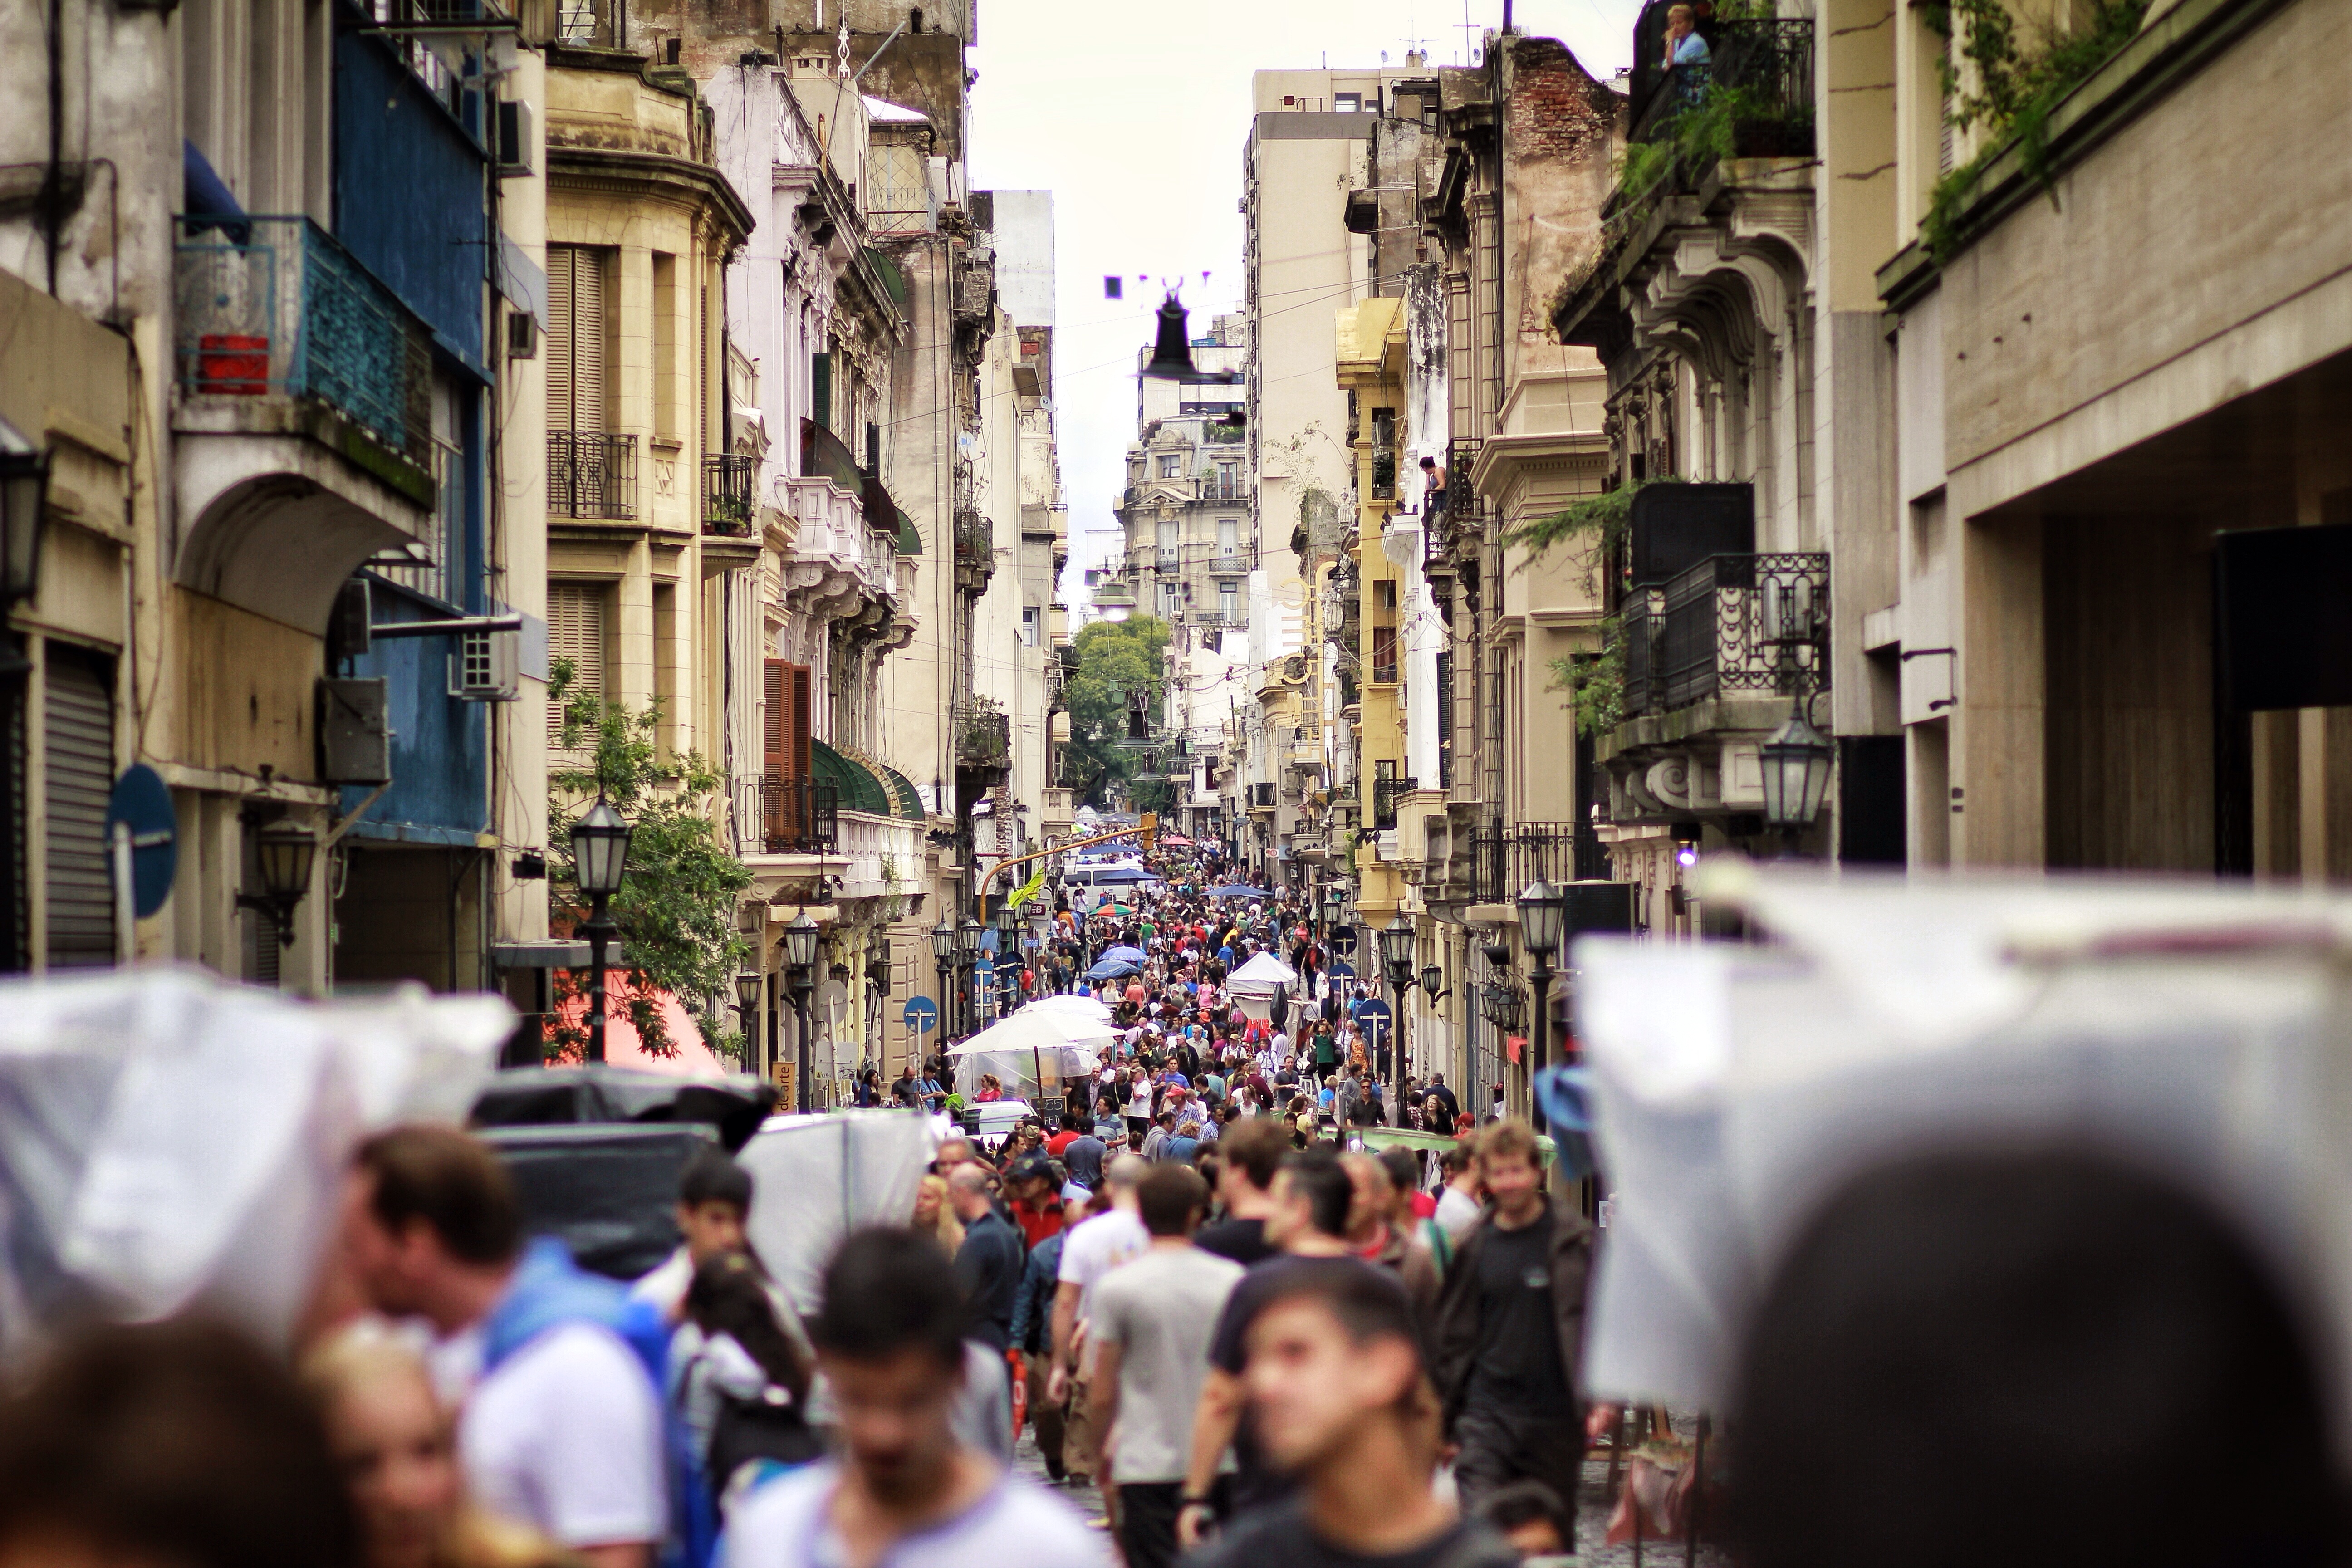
(171, 1142)
(1050, 1032)
(1262, 975)
(1085, 1007)
(2193, 1028)
(1241, 890)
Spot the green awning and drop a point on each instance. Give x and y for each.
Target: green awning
(893, 281)
(909, 541)
(911, 804)
(858, 789)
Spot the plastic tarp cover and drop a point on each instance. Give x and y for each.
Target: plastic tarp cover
(2200, 1030)
(818, 1178)
(1261, 975)
(607, 1191)
(170, 1140)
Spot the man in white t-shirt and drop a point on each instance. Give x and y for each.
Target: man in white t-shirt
(563, 1429)
(1089, 1252)
(905, 1490)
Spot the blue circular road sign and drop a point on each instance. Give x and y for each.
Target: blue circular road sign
(142, 804)
(922, 1013)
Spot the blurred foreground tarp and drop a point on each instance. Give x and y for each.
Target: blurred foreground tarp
(2203, 1030)
(818, 1178)
(169, 1138)
(732, 1106)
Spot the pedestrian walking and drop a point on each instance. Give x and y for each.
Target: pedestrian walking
(1033, 1345)
(714, 1199)
(1509, 1328)
(1152, 1322)
(905, 1489)
(988, 1263)
(1090, 1250)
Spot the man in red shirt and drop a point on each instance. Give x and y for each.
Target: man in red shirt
(1068, 1135)
(1036, 1198)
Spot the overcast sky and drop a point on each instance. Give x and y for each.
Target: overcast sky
(1134, 118)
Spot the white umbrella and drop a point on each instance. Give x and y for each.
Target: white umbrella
(1086, 1008)
(1037, 1038)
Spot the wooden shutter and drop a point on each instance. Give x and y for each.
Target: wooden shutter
(575, 630)
(575, 347)
(784, 748)
(77, 725)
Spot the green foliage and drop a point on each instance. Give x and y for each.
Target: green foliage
(1595, 683)
(2010, 91)
(1114, 658)
(1598, 522)
(1691, 140)
(675, 906)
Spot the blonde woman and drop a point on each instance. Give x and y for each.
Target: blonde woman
(397, 1449)
(933, 1215)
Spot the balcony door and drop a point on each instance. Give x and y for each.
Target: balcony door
(578, 333)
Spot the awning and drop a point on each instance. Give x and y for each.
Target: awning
(909, 803)
(859, 789)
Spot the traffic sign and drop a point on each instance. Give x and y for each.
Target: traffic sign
(140, 808)
(922, 1013)
(1372, 1013)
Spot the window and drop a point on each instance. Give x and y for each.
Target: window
(1228, 602)
(1229, 481)
(1171, 466)
(77, 728)
(575, 631)
(1028, 626)
(666, 389)
(1171, 600)
(577, 338)
(672, 733)
(1348, 102)
(1228, 534)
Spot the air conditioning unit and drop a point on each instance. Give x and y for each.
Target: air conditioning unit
(515, 137)
(354, 730)
(486, 667)
(522, 335)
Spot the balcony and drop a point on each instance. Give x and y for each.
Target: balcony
(592, 475)
(884, 854)
(1262, 797)
(727, 495)
(841, 552)
(975, 551)
(1762, 74)
(1729, 626)
(780, 814)
(984, 737)
(1387, 795)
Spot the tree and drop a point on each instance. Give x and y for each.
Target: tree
(1115, 659)
(675, 906)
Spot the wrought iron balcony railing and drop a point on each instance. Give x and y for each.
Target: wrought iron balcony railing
(1262, 796)
(1386, 795)
(727, 495)
(787, 814)
(1729, 626)
(276, 307)
(975, 540)
(983, 738)
(591, 474)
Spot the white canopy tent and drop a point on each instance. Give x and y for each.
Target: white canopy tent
(1033, 1052)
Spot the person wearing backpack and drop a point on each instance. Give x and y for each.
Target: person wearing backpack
(738, 1380)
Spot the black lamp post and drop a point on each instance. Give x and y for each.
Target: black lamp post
(943, 954)
(968, 952)
(600, 851)
(1008, 951)
(1540, 921)
(1396, 949)
(800, 973)
(750, 989)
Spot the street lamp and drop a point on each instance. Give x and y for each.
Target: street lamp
(943, 954)
(283, 854)
(800, 945)
(599, 852)
(1540, 915)
(750, 989)
(1397, 939)
(1796, 759)
(967, 955)
(1335, 897)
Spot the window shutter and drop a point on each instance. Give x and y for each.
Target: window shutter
(802, 713)
(575, 349)
(575, 630)
(77, 724)
(775, 723)
(821, 389)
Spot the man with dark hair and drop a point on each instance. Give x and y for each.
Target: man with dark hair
(2040, 1345)
(714, 1201)
(1332, 1368)
(177, 1443)
(1529, 1516)
(988, 1263)
(903, 1488)
(564, 1431)
(1509, 1329)
(1151, 1325)
(1251, 1152)
(1308, 1219)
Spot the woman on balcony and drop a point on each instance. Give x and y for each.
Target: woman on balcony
(1688, 61)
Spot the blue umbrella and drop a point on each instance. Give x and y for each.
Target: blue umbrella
(1239, 890)
(1112, 969)
(1124, 955)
